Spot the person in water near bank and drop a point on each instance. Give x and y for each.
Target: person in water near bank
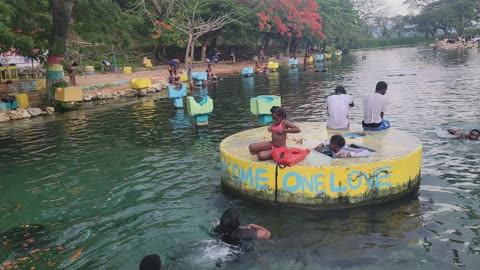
(151, 262)
(339, 150)
(231, 232)
(279, 129)
(337, 106)
(473, 135)
(374, 107)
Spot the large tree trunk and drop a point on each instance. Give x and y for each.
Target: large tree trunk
(187, 60)
(61, 13)
(289, 44)
(204, 49)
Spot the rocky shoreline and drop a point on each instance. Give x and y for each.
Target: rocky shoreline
(21, 113)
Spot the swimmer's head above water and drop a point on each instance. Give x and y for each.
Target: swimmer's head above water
(474, 134)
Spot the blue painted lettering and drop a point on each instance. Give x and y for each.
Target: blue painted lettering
(259, 178)
(383, 173)
(247, 176)
(333, 188)
(293, 188)
(236, 172)
(355, 176)
(318, 183)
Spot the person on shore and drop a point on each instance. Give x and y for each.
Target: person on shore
(175, 64)
(151, 262)
(231, 232)
(257, 68)
(339, 150)
(374, 107)
(279, 129)
(71, 73)
(210, 75)
(337, 106)
(261, 56)
(472, 136)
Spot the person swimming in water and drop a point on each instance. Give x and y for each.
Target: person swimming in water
(472, 136)
(231, 232)
(151, 262)
(279, 129)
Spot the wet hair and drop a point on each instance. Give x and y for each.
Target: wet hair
(381, 85)
(228, 227)
(151, 262)
(337, 140)
(475, 130)
(279, 111)
(340, 90)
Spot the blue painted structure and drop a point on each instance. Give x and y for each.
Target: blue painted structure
(177, 95)
(247, 71)
(261, 106)
(320, 57)
(199, 77)
(293, 63)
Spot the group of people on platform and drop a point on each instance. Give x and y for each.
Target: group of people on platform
(338, 104)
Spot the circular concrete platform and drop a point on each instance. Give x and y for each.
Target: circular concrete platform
(391, 171)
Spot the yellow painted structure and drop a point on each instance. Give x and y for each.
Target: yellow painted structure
(328, 56)
(8, 73)
(183, 77)
(310, 60)
(127, 70)
(272, 66)
(320, 181)
(147, 63)
(68, 94)
(263, 104)
(22, 100)
(41, 84)
(140, 83)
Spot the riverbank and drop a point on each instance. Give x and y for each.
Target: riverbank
(112, 85)
(442, 44)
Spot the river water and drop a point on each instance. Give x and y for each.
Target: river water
(113, 182)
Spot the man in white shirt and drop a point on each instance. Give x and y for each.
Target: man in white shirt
(374, 107)
(339, 150)
(337, 106)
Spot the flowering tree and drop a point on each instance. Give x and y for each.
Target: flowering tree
(291, 18)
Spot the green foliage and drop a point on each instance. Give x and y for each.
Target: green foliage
(104, 22)
(447, 15)
(23, 29)
(341, 22)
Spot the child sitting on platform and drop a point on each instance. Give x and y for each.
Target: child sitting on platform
(339, 150)
(279, 129)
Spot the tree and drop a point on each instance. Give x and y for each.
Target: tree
(193, 18)
(341, 22)
(290, 18)
(22, 30)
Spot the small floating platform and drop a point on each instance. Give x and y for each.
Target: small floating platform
(391, 171)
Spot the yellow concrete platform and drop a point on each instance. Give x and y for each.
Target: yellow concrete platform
(68, 94)
(320, 181)
(140, 83)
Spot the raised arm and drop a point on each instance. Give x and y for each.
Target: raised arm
(291, 127)
(262, 232)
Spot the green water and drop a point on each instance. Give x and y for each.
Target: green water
(121, 180)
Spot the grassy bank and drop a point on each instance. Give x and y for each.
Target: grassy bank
(390, 42)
